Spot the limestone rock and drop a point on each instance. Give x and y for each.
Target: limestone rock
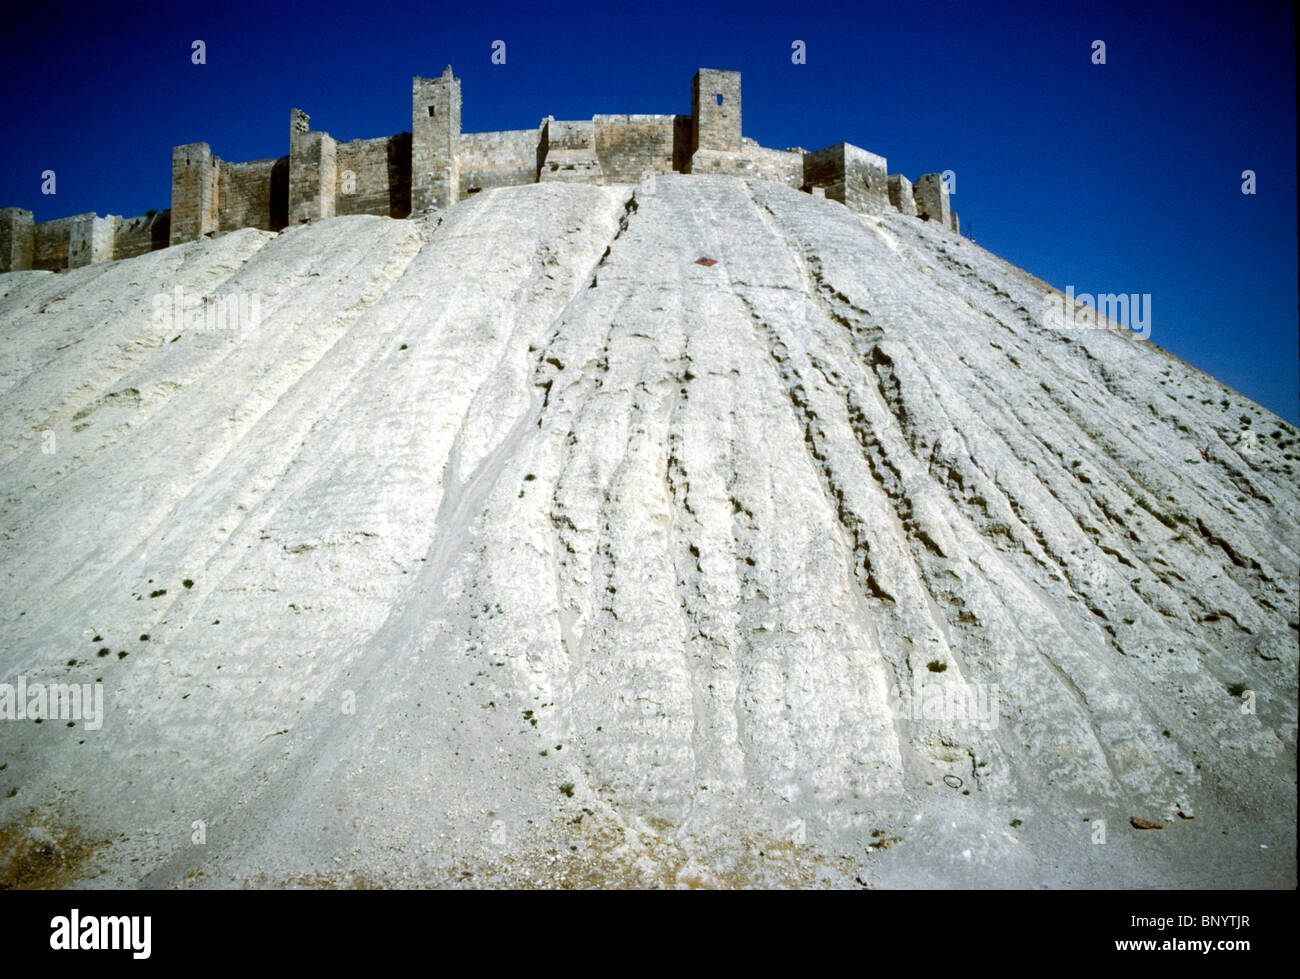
(523, 549)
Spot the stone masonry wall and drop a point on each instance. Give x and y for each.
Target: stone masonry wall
(715, 107)
(900, 194)
(825, 168)
(313, 172)
(778, 166)
(90, 239)
(436, 165)
(146, 233)
(725, 162)
(857, 179)
(932, 199)
(52, 240)
(435, 141)
(83, 239)
(570, 154)
(17, 239)
(502, 159)
(866, 181)
(194, 192)
(253, 195)
(633, 147)
(374, 176)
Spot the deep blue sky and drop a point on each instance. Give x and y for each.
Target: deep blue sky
(1117, 178)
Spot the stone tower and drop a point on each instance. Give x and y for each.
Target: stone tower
(313, 170)
(435, 141)
(715, 110)
(17, 239)
(932, 199)
(194, 192)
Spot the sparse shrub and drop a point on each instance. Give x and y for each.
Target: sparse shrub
(1164, 518)
(935, 666)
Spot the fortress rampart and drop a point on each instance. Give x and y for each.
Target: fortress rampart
(436, 165)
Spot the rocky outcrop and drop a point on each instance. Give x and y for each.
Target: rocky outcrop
(515, 545)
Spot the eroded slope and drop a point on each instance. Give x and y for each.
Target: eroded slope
(522, 547)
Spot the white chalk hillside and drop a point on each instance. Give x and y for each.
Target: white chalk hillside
(512, 545)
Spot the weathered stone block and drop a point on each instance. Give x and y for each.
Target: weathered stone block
(723, 162)
(253, 195)
(146, 233)
(715, 109)
(313, 174)
(91, 239)
(778, 166)
(931, 196)
(194, 192)
(571, 153)
(435, 141)
(857, 179)
(633, 147)
(900, 195)
(372, 178)
(17, 239)
(500, 159)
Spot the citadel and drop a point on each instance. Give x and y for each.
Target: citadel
(436, 165)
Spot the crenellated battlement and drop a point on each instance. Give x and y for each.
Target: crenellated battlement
(436, 165)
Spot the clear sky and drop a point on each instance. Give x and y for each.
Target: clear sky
(1122, 177)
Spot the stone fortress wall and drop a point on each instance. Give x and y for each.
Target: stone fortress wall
(436, 165)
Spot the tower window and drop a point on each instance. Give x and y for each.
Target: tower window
(719, 98)
(431, 113)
